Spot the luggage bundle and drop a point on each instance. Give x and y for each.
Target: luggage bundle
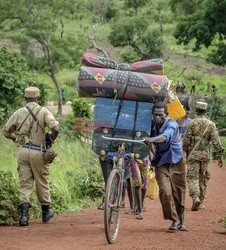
(123, 119)
(102, 77)
(124, 96)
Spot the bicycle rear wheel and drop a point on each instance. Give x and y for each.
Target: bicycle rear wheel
(112, 207)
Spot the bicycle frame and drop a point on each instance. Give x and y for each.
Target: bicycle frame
(113, 194)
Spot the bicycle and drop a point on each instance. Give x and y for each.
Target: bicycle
(113, 192)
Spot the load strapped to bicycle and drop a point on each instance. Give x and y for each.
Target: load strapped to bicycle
(122, 116)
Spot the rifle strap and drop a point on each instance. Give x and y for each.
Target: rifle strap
(34, 118)
(18, 130)
(198, 142)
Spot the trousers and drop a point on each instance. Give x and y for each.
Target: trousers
(197, 177)
(31, 169)
(172, 186)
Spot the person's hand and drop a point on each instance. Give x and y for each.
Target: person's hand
(185, 156)
(13, 138)
(147, 140)
(221, 161)
(152, 168)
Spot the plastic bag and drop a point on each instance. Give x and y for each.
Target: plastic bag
(176, 110)
(153, 188)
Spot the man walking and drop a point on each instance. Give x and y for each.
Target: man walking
(197, 140)
(169, 166)
(193, 83)
(27, 128)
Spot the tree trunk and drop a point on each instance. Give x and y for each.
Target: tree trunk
(48, 55)
(59, 92)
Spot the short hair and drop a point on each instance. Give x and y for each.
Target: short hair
(200, 111)
(160, 105)
(31, 99)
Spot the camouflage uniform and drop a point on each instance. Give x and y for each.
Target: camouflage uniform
(200, 159)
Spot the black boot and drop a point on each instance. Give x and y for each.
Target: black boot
(47, 213)
(24, 208)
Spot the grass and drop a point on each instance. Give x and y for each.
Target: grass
(68, 171)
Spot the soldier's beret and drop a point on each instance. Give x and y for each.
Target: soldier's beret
(32, 92)
(201, 105)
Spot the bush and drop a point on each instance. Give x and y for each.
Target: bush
(9, 200)
(88, 183)
(218, 112)
(12, 81)
(67, 127)
(14, 78)
(82, 108)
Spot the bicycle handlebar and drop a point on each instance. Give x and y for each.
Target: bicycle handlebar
(123, 139)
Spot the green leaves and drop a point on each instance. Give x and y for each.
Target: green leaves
(8, 198)
(12, 81)
(204, 25)
(136, 33)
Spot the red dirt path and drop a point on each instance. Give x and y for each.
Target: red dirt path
(85, 230)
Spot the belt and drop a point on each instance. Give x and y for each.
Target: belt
(34, 147)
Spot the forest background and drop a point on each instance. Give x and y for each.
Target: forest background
(41, 45)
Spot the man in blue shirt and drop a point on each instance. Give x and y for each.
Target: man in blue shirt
(169, 166)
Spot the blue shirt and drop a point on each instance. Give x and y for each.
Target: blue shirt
(170, 151)
(182, 125)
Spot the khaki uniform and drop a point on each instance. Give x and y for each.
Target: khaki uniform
(30, 162)
(200, 159)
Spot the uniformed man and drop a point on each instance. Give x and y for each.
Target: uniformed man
(26, 127)
(197, 140)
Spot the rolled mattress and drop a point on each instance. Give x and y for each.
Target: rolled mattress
(109, 83)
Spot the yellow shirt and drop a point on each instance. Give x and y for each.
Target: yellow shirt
(193, 82)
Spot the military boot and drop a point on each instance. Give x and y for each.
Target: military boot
(24, 209)
(201, 206)
(196, 202)
(47, 213)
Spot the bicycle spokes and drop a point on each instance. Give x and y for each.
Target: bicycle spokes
(112, 206)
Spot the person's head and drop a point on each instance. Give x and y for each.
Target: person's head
(32, 94)
(160, 112)
(201, 108)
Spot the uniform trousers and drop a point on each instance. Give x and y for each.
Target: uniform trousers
(31, 169)
(171, 179)
(197, 177)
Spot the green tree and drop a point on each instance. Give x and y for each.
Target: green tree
(161, 13)
(135, 33)
(14, 78)
(207, 26)
(135, 4)
(42, 21)
(100, 8)
(12, 81)
(184, 7)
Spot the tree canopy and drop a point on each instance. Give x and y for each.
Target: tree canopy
(207, 26)
(42, 21)
(14, 78)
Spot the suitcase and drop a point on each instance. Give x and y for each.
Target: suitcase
(121, 119)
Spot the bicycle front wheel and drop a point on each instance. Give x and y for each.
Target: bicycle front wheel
(112, 207)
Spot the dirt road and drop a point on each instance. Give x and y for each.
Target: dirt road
(85, 230)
